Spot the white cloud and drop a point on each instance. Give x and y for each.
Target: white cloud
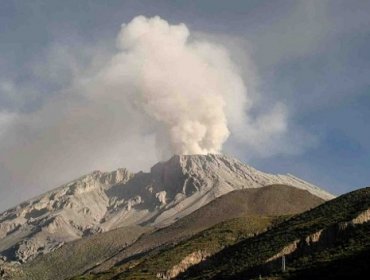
(6, 120)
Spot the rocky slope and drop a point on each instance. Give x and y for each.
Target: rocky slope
(102, 201)
(78, 256)
(72, 211)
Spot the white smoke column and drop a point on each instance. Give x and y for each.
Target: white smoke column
(162, 88)
(184, 85)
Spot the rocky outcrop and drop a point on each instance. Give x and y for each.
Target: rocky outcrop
(9, 270)
(188, 261)
(361, 218)
(102, 201)
(297, 245)
(313, 238)
(287, 250)
(322, 238)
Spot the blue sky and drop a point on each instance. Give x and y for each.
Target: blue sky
(312, 56)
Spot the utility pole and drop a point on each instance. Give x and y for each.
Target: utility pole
(283, 263)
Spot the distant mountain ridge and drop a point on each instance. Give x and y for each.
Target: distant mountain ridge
(102, 201)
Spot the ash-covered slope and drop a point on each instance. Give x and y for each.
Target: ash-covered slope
(64, 214)
(190, 182)
(104, 201)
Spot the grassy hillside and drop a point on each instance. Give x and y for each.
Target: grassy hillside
(340, 244)
(271, 200)
(209, 241)
(349, 257)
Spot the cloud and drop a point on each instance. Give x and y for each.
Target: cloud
(182, 85)
(6, 120)
(162, 91)
(189, 86)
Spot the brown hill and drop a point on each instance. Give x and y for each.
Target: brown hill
(273, 200)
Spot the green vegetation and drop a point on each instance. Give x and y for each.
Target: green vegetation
(247, 258)
(348, 257)
(211, 241)
(265, 201)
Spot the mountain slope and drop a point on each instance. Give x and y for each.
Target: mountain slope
(272, 200)
(336, 232)
(99, 202)
(79, 255)
(46, 222)
(168, 261)
(281, 200)
(102, 251)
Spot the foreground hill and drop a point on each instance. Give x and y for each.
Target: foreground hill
(258, 203)
(103, 251)
(167, 262)
(327, 242)
(102, 201)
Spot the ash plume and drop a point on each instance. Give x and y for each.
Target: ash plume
(161, 92)
(183, 85)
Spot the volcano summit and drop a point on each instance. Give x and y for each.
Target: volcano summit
(102, 201)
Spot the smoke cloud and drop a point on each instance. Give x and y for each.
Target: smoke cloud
(6, 120)
(162, 92)
(183, 85)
